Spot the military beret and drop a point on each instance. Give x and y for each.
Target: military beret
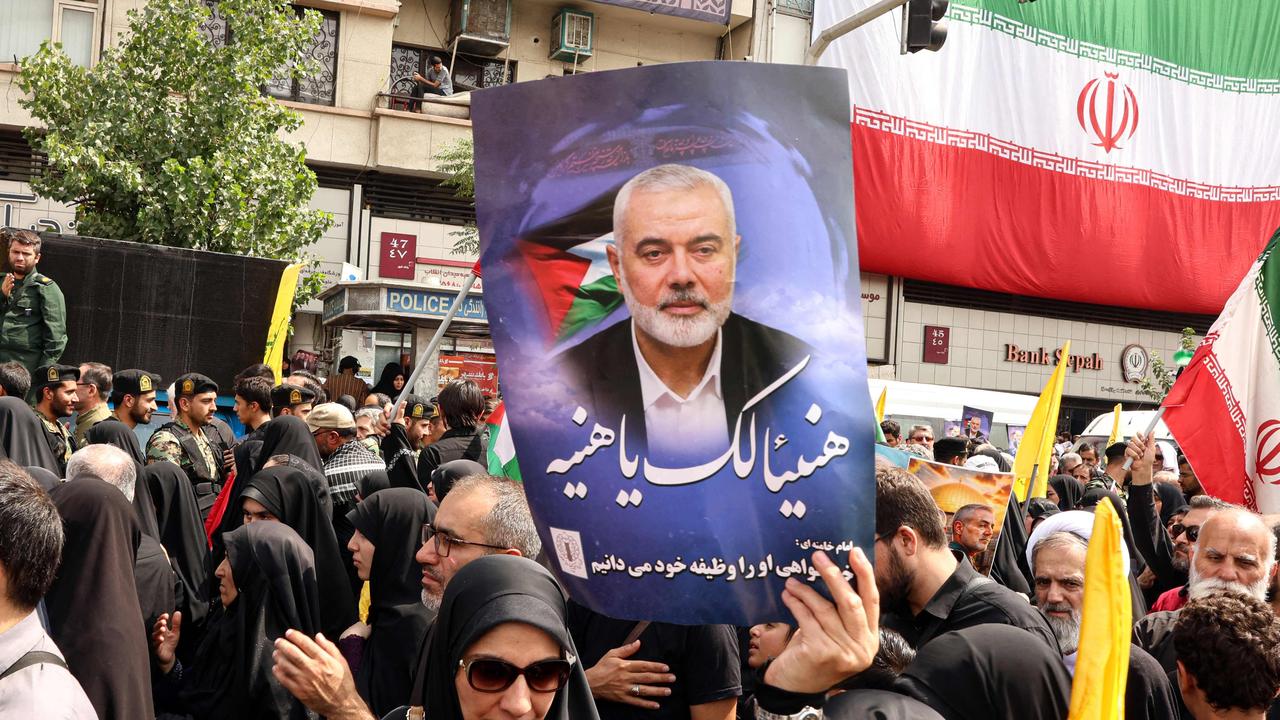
(286, 395)
(54, 374)
(417, 408)
(193, 384)
(134, 382)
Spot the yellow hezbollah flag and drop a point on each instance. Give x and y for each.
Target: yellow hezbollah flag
(880, 405)
(278, 330)
(1037, 440)
(1102, 665)
(1115, 427)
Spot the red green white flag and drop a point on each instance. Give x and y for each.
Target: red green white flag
(1106, 151)
(502, 450)
(1224, 410)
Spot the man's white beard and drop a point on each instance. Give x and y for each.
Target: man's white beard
(431, 602)
(1066, 630)
(677, 330)
(1198, 587)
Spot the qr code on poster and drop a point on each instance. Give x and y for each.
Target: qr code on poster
(568, 545)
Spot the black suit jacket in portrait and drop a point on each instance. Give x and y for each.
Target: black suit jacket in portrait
(604, 370)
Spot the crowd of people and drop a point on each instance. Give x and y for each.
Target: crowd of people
(332, 563)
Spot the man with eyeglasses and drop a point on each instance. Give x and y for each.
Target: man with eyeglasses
(922, 434)
(926, 589)
(482, 515)
(92, 390)
(1167, 553)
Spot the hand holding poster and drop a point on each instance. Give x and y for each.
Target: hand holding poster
(672, 287)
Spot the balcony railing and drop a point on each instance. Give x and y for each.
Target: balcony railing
(457, 106)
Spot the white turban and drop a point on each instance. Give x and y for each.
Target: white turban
(1076, 522)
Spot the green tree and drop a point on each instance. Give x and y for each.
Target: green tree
(169, 139)
(458, 162)
(1160, 380)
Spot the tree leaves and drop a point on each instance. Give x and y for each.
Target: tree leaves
(169, 139)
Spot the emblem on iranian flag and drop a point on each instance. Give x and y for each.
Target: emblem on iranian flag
(1107, 110)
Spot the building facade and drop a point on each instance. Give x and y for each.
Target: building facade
(376, 151)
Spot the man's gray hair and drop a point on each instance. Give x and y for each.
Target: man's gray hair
(105, 462)
(1072, 459)
(369, 412)
(671, 177)
(1208, 502)
(1059, 540)
(926, 427)
(509, 523)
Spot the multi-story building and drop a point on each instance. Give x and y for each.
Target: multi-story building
(375, 153)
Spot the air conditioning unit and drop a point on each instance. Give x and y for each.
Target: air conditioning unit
(572, 35)
(481, 27)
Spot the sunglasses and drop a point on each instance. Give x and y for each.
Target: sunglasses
(490, 675)
(1192, 531)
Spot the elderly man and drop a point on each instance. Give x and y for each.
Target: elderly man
(684, 366)
(482, 515)
(1234, 552)
(1057, 564)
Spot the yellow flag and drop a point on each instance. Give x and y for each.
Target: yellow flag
(1037, 440)
(880, 405)
(278, 330)
(1102, 662)
(1115, 427)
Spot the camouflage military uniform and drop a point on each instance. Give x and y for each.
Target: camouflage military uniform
(60, 441)
(164, 446)
(33, 329)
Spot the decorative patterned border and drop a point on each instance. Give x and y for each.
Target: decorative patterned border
(1059, 163)
(1233, 408)
(980, 17)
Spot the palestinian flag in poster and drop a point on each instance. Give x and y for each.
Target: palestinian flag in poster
(1128, 137)
(1224, 410)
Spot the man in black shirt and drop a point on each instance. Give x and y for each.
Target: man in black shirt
(461, 403)
(701, 679)
(927, 589)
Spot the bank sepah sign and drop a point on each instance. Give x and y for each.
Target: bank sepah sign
(1040, 356)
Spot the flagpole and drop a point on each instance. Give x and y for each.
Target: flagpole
(1151, 427)
(435, 339)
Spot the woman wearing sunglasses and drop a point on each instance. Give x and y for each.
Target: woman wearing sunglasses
(500, 650)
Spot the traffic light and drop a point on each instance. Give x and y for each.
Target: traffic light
(922, 26)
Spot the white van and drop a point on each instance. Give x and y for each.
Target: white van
(918, 403)
(1131, 421)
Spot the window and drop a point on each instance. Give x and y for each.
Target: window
(26, 24)
(319, 88)
(470, 72)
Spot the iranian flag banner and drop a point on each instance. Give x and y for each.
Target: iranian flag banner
(1224, 410)
(502, 450)
(1119, 152)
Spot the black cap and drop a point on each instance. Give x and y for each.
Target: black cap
(134, 382)
(946, 448)
(47, 375)
(286, 395)
(417, 408)
(193, 384)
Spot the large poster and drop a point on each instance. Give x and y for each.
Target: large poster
(954, 487)
(672, 283)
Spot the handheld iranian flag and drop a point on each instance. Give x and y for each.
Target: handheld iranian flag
(502, 450)
(1224, 410)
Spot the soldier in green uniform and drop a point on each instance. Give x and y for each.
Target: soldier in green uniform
(287, 399)
(33, 328)
(183, 442)
(55, 389)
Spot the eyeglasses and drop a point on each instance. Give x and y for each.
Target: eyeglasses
(490, 675)
(445, 542)
(921, 439)
(1192, 531)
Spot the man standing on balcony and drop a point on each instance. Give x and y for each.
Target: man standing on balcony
(437, 81)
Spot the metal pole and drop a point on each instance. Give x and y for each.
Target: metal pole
(435, 342)
(846, 26)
